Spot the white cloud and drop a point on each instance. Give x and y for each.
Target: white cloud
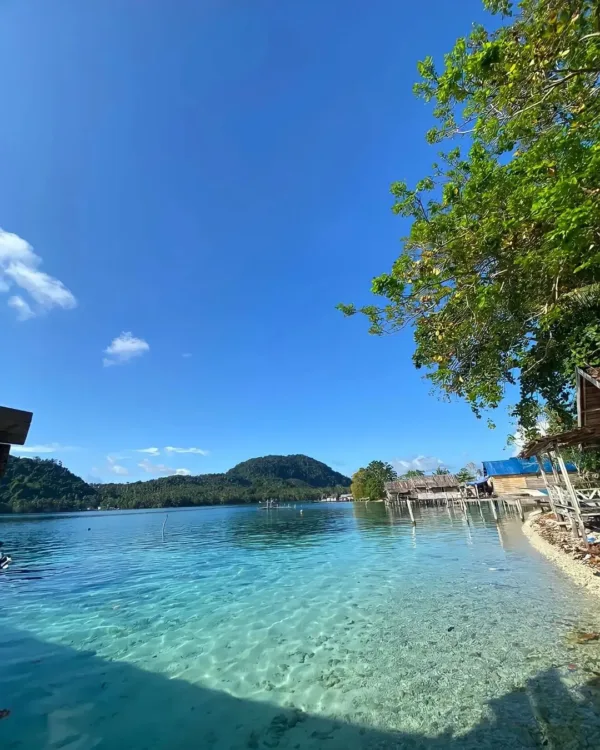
(19, 266)
(418, 463)
(186, 355)
(123, 348)
(198, 451)
(24, 311)
(151, 468)
(116, 468)
(39, 449)
(151, 451)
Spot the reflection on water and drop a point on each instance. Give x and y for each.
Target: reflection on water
(324, 626)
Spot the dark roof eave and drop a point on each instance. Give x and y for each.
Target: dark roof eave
(584, 436)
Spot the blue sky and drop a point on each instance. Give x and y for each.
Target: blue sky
(211, 177)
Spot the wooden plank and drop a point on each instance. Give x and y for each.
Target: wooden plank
(573, 496)
(14, 425)
(580, 385)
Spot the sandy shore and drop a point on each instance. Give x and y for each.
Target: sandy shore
(581, 574)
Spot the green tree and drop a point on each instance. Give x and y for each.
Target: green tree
(465, 475)
(411, 473)
(358, 488)
(441, 470)
(500, 272)
(369, 483)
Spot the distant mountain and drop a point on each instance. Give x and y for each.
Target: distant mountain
(297, 469)
(36, 485)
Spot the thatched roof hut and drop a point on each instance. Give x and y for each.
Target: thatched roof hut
(433, 487)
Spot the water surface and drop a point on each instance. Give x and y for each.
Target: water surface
(322, 626)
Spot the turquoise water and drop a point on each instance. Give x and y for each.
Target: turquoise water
(332, 626)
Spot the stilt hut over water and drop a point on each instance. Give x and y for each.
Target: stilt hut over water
(575, 501)
(437, 487)
(517, 475)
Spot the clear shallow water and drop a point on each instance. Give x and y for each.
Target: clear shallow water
(340, 627)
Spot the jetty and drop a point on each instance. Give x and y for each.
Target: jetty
(445, 490)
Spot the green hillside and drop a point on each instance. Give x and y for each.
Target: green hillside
(298, 469)
(36, 485)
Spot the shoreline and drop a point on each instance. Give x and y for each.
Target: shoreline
(580, 574)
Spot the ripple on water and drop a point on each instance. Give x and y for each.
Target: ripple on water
(339, 627)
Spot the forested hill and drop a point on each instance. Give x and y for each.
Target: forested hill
(297, 469)
(36, 485)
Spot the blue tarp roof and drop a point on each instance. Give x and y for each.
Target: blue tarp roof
(518, 466)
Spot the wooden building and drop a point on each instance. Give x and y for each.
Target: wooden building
(575, 501)
(14, 426)
(514, 476)
(588, 397)
(437, 487)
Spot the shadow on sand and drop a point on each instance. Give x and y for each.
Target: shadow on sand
(62, 698)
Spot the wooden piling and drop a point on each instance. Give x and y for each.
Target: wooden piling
(520, 507)
(410, 510)
(493, 507)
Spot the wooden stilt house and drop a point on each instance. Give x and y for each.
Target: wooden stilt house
(437, 487)
(572, 502)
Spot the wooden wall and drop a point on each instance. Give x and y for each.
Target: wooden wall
(505, 485)
(590, 405)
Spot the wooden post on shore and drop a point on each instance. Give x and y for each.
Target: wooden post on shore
(410, 510)
(574, 499)
(540, 459)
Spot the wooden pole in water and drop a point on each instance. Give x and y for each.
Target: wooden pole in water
(493, 507)
(163, 527)
(520, 507)
(410, 510)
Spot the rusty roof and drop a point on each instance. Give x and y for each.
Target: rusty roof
(439, 481)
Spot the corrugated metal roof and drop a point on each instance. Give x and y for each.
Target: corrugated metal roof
(518, 466)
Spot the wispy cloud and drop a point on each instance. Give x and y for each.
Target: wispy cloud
(151, 451)
(123, 348)
(43, 448)
(19, 266)
(418, 463)
(23, 309)
(116, 468)
(198, 451)
(186, 355)
(157, 469)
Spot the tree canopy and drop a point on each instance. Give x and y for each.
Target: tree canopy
(368, 483)
(465, 475)
(500, 272)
